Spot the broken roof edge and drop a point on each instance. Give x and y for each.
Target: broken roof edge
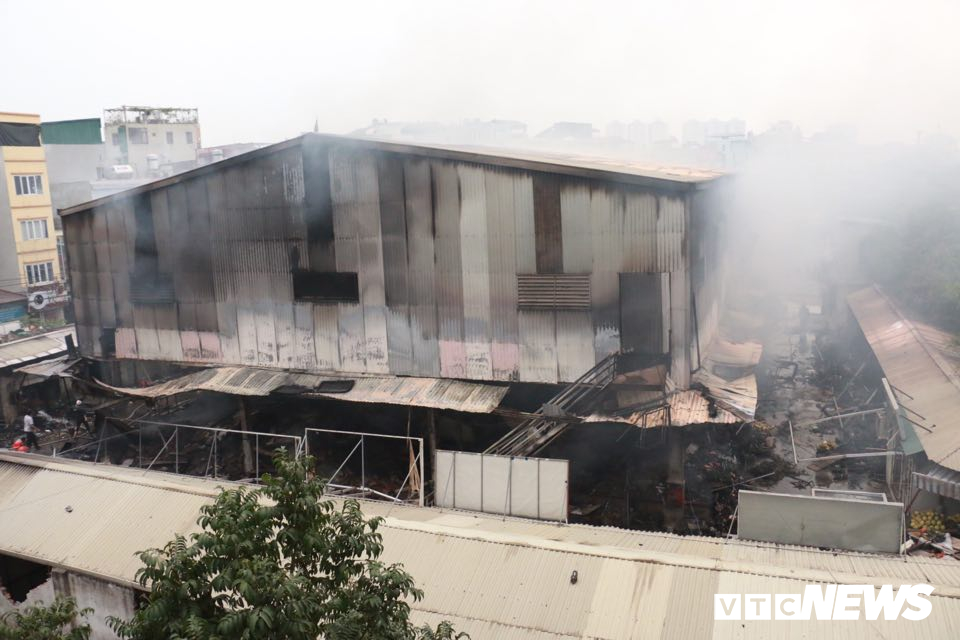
(434, 393)
(591, 167)
(596, 168)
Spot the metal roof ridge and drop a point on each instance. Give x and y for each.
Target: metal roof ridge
(94, 470)
(654, 557)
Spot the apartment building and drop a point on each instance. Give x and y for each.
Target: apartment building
(29, 256)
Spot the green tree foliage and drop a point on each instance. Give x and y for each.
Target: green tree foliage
(62, 620)
(277, 562)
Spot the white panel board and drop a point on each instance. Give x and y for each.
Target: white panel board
(524, 487)
(554, 489)
(468, 481)
(443, 481)
(496, 484)
(811, 521)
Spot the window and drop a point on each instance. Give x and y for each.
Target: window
(137, 135)
(170, 137)
(189, 137)
(331, 286)
(28, 185)
(40, 273)
(33, 229)
(115, 139)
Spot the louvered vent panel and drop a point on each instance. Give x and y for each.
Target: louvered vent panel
(554, 291)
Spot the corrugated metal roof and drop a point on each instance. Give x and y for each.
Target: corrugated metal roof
(34, 348)
(613, 169)
(916, 368)
(48, 368)
(438, 393)
(494, 577)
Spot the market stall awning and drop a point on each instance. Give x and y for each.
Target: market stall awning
(436, 393)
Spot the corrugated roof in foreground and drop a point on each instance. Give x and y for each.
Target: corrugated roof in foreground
(624, 171)
(437, 393)
(914, 366)
(501, 578)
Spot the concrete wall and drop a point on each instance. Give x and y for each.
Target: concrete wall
(106, 599)
(821, 522)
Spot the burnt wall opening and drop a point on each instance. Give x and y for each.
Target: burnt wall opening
(19, 577)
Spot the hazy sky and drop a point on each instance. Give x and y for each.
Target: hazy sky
(263, 71)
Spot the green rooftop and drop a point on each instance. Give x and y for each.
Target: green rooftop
(86, 131)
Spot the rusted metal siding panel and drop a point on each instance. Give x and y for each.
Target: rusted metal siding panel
(606, 215)
(89, 333)
(475, 268)
(424, 333)
(680, 328)
(286, 332)
(318, 207)
(538, 346)
(547, 222)
(526, 245)
(120, 263)
(453, 357)
(575, 350)
(105, 307)
(345, 198)
(326, 338)
(221, 243)
(576, 228)
(639, 233)
(165, 315)
(371, 277)
(671, 234)
(393, 225)
(181, 246)
(501, 206)
(304, 354)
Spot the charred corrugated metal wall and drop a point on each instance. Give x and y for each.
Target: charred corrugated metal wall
(205, 268)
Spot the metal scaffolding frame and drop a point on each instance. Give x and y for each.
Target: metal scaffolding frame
(417, 464)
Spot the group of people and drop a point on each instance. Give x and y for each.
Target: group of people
(29, 440)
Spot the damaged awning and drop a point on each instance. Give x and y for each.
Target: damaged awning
(939, 480)
(677, 409)
(436, 393)
(49, 368)
(738, 396)
(727, 374)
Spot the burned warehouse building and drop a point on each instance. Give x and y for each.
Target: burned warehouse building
(507, 296)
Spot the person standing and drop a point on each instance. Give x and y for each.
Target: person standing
(29, 431)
